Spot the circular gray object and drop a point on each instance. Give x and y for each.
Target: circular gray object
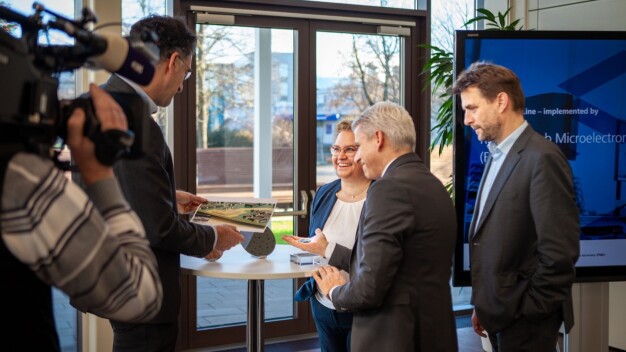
(259, 244)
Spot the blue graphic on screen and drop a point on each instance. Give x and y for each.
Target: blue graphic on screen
(575, 96)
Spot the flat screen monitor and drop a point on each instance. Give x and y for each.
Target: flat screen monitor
(575, 88)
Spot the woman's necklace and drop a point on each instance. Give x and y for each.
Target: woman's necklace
(353, 196)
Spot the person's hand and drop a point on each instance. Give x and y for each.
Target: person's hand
(187, 202)
(227, 237)
(328, 277)
(478, 329)
(316, 245)
(111, 116)
(214, 255)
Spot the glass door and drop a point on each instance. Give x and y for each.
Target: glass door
(270, 83)
(353, 71)
(245, 146)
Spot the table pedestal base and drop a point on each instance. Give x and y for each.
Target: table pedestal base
(256, 315)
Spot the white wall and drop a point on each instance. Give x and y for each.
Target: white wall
(97, 334)
(565, 14)
(617, 315)
(577, 15)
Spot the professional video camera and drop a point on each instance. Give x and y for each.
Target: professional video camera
(32, 116)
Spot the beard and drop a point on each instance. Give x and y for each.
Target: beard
(487, 132)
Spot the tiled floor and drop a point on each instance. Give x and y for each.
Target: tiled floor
(227, 305)
(308, 345)
(468, 342)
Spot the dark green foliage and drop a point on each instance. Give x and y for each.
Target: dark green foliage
(439, 69)
(228, 138)
(495, 23)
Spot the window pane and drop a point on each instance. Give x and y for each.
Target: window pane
(403, 4)
(447, 16)
(353, 73)
(62, 7)
(245, 113)
(65, 319)
(223, 302)
(132, 11)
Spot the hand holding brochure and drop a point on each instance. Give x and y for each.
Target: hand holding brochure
(247, 214)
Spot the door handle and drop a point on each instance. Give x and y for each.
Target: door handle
(304, 207)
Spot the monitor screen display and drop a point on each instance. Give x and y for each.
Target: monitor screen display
(575, 88)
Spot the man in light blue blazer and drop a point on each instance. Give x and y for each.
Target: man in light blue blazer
(524, 235)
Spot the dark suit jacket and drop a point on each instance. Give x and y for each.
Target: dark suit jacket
(400, 267)
(149, 186)
(523, 252)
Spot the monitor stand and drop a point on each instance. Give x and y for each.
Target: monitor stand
(591, 318)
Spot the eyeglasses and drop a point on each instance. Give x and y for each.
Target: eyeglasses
(188, 73)
(349, 150)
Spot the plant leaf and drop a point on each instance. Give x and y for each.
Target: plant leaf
(439, 69)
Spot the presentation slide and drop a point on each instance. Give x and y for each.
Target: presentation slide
(576, 97)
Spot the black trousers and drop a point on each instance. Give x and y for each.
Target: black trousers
(144, 337)
(525, 335)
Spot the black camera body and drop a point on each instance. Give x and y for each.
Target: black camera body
(29, 96)
(110, 145)
(30, 111)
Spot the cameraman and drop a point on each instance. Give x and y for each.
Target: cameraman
(91, 246)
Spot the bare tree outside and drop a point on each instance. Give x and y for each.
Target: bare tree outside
(215, 80)
(4, 25)
(132, 11)
(403, 4)
(374, 75)
(447, 17)
(225, 87)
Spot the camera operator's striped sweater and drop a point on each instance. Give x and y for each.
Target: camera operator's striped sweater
(92, 246)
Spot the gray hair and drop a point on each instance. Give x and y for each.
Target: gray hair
(390, 118)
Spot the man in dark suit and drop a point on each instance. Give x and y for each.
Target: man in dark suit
(401, 263)
(149, 186)
(524, 235)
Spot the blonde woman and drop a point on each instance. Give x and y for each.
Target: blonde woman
(335, 211)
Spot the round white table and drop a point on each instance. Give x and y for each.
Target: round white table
(236, 263)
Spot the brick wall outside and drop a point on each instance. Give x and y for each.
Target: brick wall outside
(234, 166)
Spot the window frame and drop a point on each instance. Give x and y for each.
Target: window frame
(415, 99)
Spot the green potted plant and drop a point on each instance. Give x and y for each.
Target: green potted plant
(439, 69)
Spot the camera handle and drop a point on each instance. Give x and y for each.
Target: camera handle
(110, 145)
